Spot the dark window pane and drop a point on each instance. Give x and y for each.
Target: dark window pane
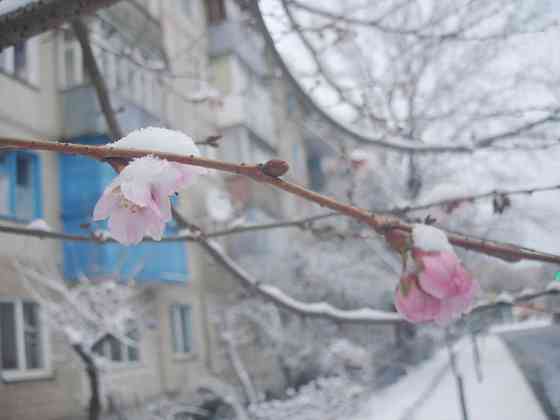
(116, 349)
(133, 351)
(24, 188)
(20, 59)
(133, 354)
(32, 335)
(23, 171)
(8, 345)
(98, 347)
(185, 324)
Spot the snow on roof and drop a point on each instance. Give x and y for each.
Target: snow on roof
(430, 393)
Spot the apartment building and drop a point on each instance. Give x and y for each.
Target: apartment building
(162, 63)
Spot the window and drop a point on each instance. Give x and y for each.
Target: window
(119, 351)
(20, 189)
(215, 11)
(181, 328)
(23, 340)
(22, 61)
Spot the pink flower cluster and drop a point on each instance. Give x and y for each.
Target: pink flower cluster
(137, 202)
(440, 289)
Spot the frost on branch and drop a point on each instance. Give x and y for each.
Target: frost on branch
(87, 311)
(438, 288)
(137, 202)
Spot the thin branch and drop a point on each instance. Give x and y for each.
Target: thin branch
(474, 197)
(41, 16)
(382, 224)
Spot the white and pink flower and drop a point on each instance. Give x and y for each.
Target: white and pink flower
(440, 289)
(137, 202)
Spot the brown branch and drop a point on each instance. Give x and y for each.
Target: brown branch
(41, 16)
(382, 224)
(96, 78)
(94, 405)
(474, 197)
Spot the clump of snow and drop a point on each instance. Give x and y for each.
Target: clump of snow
(553, 285)
(527, 291)
(521, 326)
(39, 224)
(159, 140)
(429, 238)
(324, 398)
(73, 335)
(343, 355)
(504, 297)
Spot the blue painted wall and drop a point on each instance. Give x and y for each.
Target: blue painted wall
(82, 182)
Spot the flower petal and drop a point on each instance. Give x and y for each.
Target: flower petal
(439, 274)
(106, 204)
(413, 303)
(126, 227)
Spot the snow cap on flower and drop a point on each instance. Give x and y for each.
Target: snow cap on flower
(429, 238)
(439, 288)
(164, 140)
(137, 201)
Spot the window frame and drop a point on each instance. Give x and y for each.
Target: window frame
(125, 362)
(10, 168)
(23, 373)
(30, 73)
(187, 347)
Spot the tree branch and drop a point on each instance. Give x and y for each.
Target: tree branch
(41, 16)
(96, 78)
(382, 224)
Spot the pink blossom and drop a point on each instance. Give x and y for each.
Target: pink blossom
(413, 303)
(440, 289)
(441, 274)
(137, 201)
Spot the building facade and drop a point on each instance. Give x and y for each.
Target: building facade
(163, 63)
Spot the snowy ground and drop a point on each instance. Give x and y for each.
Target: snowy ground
(430, 393)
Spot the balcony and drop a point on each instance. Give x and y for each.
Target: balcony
(137, 21)
(230, 37)
(82, 115)
(82, 181)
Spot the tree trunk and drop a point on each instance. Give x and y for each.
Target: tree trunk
(94, 406)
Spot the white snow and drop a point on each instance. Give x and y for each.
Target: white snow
(429, 238)
(521, 326)
(159, 140)
(553, 285)
(430, 391)
(504, 297)
(325, 309)
(39, 224)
